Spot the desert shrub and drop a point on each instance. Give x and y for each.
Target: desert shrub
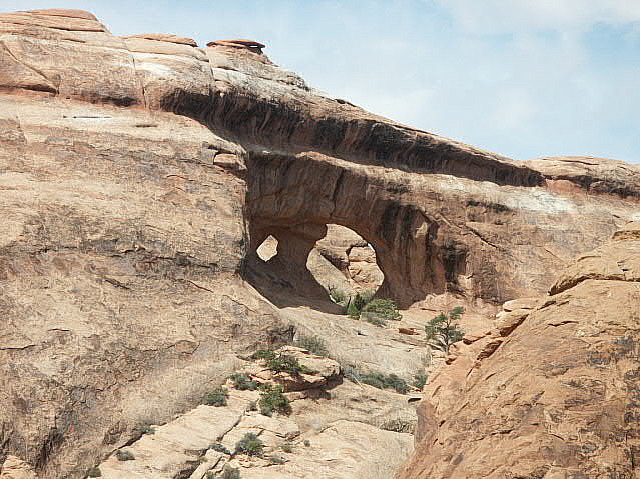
(313, 344)
(444, 330)
(124, 455)
(145, 429)
(338, 296)
(217, 397)
(419, 381)
(94, 472)
(287, 364)
(264, 354)
(306, 443)
(378, 310)
(398, 425)
(355, 306)
(350, 372)
(287, 447)
(385, 381)
(273, 400)
(367, 295)
(250, 444)
(242, 382)
(220, 448)
(386, 309)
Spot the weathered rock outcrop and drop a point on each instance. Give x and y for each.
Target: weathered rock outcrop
(588, 175)
(342, 443)
(441, 215)
(558, 396)
(139, 175)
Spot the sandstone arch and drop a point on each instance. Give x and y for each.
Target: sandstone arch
(410, 252)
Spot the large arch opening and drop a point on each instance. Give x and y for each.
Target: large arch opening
(313, 265)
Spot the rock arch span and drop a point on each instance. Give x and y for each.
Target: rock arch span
(294, 199)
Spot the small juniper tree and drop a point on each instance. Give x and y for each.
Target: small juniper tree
(444, 330)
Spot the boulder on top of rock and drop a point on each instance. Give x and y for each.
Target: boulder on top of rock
(250, 45)
(165, 37)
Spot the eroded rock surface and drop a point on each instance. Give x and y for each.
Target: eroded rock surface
(348, 444)
(556, 398)
(139, 175)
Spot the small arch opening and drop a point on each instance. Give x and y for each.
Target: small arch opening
(268, 248)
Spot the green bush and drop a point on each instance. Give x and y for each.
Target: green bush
(273, 400)
(250, 444)
(313, 344)
(384, 381)
(419, 381)
(338, 296)
(444, 330)
(94, 472)
(124, 455)
(217, 397)
(284, 363)
(264, 354)
(220, 448)
(355, 306)
(242, 382)
(378, 310)
(386, 309)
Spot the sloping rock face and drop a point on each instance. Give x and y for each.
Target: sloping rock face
(345, 442)
(139, 175)
(558, 396)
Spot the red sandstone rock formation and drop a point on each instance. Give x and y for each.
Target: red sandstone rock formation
(139, 175)
(555, 395)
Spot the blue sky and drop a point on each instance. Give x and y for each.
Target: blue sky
(524, 78)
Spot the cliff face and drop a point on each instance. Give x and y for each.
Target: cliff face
(139, 175)
(553, 396)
